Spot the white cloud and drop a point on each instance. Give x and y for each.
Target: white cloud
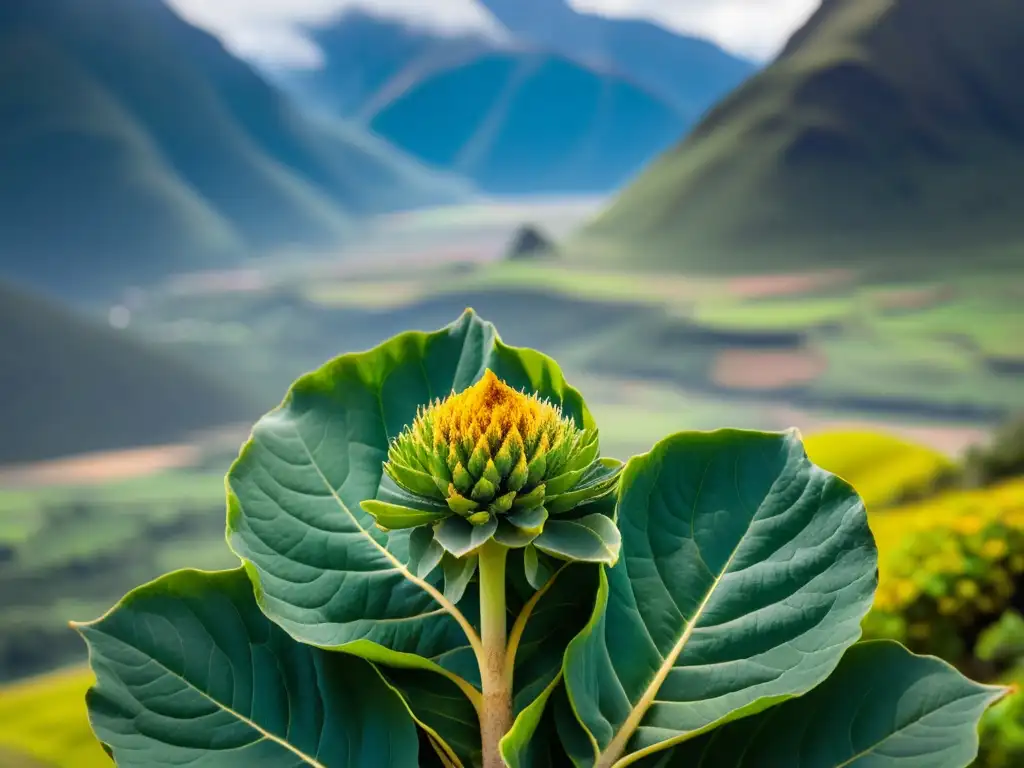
(271, 30)
(754, 28)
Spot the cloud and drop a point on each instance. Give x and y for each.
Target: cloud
(754, 28)
(270, 31)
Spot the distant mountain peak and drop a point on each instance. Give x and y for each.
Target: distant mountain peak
(564, 103)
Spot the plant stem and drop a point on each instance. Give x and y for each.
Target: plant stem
(496, 718)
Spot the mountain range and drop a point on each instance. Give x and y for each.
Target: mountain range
(689, 73)
(527, 111)
(887, 133)
(133, 144)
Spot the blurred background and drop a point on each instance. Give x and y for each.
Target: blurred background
(747, 213)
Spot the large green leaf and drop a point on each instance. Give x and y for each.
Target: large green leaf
(744, 574)
(883, 707)
(190, 672)
(323, 571)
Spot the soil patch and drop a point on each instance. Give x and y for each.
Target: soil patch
(761, 370)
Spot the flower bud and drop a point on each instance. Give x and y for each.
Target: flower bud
(492, 451)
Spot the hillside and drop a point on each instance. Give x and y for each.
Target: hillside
(44, 723)
(132, 144)
(69, 385)
(879, 466)
(517, 114)
(687, 72)
(886, 127)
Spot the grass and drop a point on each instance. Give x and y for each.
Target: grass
(777, 314)
(878, 466)
(45, 720)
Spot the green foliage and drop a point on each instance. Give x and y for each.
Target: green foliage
(1002, 727)
(1000, 459)
(933, 723)
(733, 597)
(951, 574)
(214, 675)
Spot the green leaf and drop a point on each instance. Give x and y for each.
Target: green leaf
(883, 707)
(460, 537)
(591, 539)
(745, 573)
(424, 553)
(458, 572)
(393, 517)
(564, 481)
(321, 568)
(415, 480)
(599, 481)
(509, 536)
(520, 747)
(1003, 641)
(392, 493)
(537, 567)
(190, 672)
(442, 709)
(529, 520)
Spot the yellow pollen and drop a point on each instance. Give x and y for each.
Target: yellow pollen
(493, 408)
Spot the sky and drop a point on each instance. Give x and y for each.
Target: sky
(269, 31)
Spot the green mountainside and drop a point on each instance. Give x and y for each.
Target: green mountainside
(886, 133)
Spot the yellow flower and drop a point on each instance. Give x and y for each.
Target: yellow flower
(487, 449)
(968, 524)
(905, 591)
(994, 549)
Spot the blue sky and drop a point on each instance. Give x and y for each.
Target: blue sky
(269, 30)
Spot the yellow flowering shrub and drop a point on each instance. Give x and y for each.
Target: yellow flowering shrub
(948, 567)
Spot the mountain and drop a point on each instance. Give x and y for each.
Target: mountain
(369, 58)
(687, 72)
(132, 144)
(888, 132)
(522, 122)
(514, 118)
(69, 385)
